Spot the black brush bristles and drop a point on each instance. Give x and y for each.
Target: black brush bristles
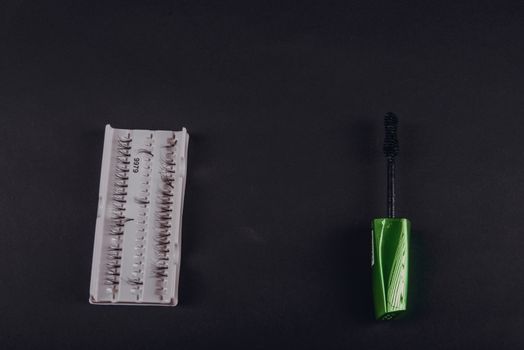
(390, 151)
(390, 137)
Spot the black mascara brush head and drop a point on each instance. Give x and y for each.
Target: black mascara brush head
(390, 138)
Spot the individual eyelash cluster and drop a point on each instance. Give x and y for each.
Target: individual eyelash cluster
(136, 280)
(118, 219)
(164, 217)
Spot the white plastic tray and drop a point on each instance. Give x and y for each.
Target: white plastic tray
(136, 255)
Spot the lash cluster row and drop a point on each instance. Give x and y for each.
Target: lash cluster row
(118, 218)
(136, 280)
(164, 217)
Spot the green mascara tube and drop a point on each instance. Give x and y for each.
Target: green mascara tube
(390, 242)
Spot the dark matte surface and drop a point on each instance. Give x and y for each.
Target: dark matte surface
(284, 106)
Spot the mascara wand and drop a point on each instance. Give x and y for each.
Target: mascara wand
(390, 240)
(390, 151)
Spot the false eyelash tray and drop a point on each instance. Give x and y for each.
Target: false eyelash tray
(136, 255)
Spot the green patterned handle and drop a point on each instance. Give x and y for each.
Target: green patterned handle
(390, 266)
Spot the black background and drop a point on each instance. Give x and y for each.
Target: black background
(284, 105)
